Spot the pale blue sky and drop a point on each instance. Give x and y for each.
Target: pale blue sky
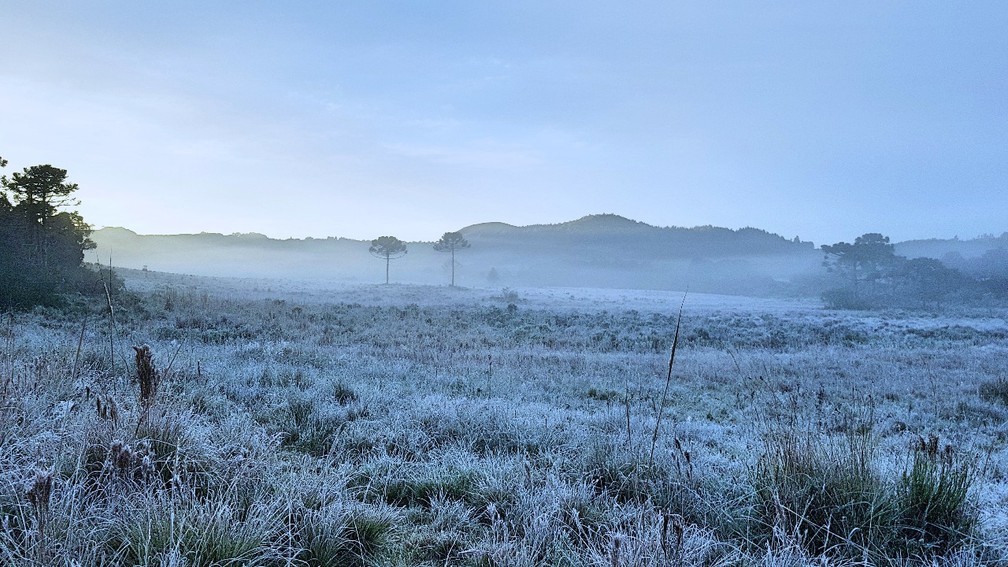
(819, 119)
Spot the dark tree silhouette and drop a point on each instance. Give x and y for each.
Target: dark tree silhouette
(389, 248)
(874, 276)
(42, 246)
(865, 260)
(929, 282)
(450, 242)
(37, 193)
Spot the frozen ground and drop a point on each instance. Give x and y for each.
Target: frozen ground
(305, 424)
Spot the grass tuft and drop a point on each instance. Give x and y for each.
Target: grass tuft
(995, 391)
(936, 516)
(829, 497)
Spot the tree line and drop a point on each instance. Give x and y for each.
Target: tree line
(870, 275)
(42, 239)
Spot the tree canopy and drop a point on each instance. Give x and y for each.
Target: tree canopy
(864, 260)
(389, 248)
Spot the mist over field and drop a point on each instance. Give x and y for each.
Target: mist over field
(606, 251)
(595, 251)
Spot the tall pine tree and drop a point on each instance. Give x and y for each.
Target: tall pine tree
(41, 243)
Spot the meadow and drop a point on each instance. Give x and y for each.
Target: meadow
(281, 423)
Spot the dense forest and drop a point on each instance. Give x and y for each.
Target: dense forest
(42, 240)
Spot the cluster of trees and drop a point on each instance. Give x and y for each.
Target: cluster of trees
(389, 248)
(991, 265)
(42, 243)
(871, 275)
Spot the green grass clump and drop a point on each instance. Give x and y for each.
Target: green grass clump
(829, 497)
(352, 538)
(343, 394)
(936, 517)
(826, 495)
(995, 391)
(424, 488)
(202, 536)
(308, 430)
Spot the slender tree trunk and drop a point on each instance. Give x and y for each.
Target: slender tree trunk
(453, 266)
(387, 260)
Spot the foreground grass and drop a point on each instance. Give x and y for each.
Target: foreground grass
(413, 426)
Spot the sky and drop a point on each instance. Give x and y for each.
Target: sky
(818, 119)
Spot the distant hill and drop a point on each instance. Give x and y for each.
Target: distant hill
(940, 248)
(593, 251)
(635, 239)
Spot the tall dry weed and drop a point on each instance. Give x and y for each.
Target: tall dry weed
(148, 379)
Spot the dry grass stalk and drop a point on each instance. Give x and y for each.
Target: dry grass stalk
(109, 410)
(112, 323)
(9, 335)
(614, 553)
(668, 381)
(666, 517)
(929, 446)
(626, 407)
(675, 521)
(147, 376)
(80, 343)
(682, 455)
(122, 455)
(39, 493)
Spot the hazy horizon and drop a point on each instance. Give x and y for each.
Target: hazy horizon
(821, 121)
(515, 226)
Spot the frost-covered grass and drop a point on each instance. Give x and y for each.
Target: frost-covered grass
(405, 425)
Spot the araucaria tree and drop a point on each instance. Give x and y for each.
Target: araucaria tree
(389, 248)
(450, 242)
(864, 261)
(861, 266)
(872, 275)
(42, 245)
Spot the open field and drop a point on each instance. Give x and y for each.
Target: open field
(408, 425)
